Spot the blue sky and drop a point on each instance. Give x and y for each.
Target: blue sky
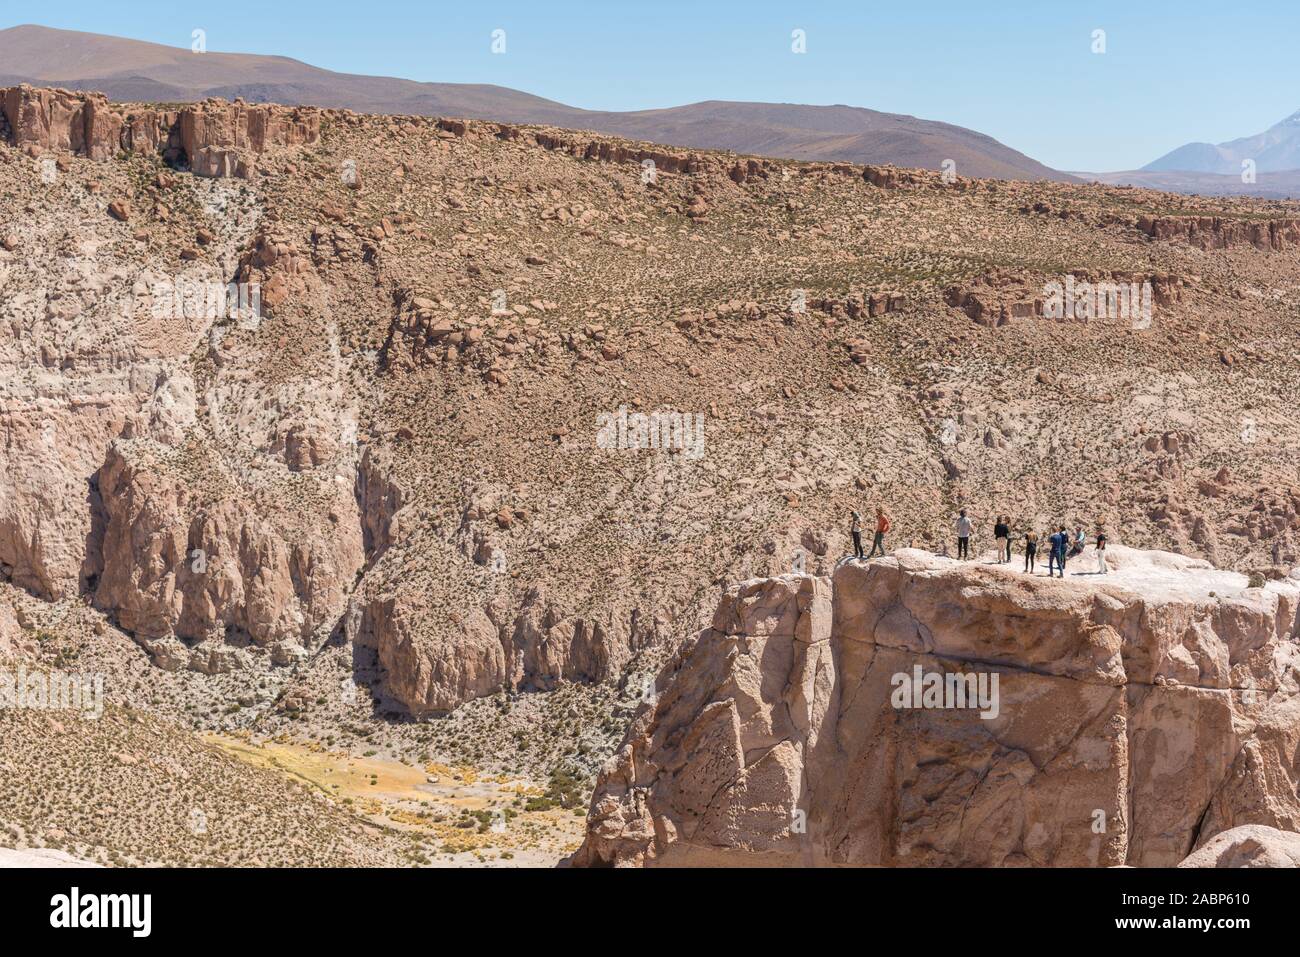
(1022, 72)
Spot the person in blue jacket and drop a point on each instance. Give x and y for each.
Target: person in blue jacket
(1059, 543)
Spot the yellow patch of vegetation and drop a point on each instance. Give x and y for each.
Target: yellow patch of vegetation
(456, 808)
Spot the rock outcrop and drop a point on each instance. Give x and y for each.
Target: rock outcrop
(925, 712)
(435, 658)
(214, 137)
(614, 152)
(1216, 232)
(89, 344)
(187, 560)
(50, 119)
(999, 297)
(224, 139)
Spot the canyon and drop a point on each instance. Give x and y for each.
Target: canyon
(371, 509)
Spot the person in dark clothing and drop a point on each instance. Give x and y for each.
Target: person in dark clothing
(1031, 550)
(882, 528)
(1001, 535)
(856, 532)
(1060, 543)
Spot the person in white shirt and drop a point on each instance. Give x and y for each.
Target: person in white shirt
(963, 535)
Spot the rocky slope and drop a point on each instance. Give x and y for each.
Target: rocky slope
(1120, 719)
(128, 789)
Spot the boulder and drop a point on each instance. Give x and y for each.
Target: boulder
(1251, 845)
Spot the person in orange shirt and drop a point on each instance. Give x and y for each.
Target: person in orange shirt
(882, 527)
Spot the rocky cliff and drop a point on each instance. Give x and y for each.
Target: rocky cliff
(917, 711)
(213, 138)
(1214, 232)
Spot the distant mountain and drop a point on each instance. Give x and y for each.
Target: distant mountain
(1274, 150)
(136, 71)
(1280, 185)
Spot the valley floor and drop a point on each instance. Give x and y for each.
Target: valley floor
(459, 816)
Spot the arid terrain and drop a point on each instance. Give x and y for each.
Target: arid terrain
(395, 521)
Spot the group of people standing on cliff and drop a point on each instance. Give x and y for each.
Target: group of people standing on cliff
(1061, 545)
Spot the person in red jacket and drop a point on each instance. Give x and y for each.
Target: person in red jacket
(882, 528)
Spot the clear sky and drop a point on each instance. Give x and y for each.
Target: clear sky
(1022, 71)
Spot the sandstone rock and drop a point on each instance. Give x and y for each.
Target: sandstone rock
(546, 645)
(433, 662)
(1117, 728)
(52, 119)
(172, 568)
(215, 137)
(224, 139)
(1215, 232)
(169, 654)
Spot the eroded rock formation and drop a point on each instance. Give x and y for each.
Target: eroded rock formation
(51, 119)
(1125, 719)
(190, 560)
(1214, 232)
(214, 137)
